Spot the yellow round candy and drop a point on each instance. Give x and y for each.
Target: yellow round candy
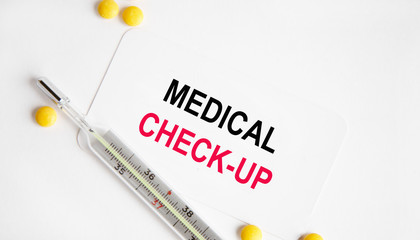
(46, 116)
(133, 16)
(108, 9)
(313, 236)
(251, 232)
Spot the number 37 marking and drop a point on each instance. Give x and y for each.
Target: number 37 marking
(157, 204)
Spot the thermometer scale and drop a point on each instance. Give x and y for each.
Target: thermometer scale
(135, 173)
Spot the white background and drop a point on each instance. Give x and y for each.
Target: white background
(358, 58)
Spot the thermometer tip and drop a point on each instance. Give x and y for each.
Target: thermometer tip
(51, 91)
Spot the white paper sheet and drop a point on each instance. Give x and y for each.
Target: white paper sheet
(280, 192)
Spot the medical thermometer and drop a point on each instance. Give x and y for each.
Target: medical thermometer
(135, 173)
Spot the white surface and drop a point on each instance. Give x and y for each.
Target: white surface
(362, 60)
(306, 137)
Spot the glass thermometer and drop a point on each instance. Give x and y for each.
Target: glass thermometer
(135, 173)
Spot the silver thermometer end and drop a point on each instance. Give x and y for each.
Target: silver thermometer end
(63, 102)
(52, 91)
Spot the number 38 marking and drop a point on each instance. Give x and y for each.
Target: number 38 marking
(187, 211)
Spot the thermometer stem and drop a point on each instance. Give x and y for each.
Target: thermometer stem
(63, 102)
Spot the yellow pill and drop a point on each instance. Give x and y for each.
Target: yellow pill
(133, 16)
(108, 9)
(46, 116)
(251, 232)
(313, 236)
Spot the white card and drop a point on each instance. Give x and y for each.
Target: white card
(241, 145)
